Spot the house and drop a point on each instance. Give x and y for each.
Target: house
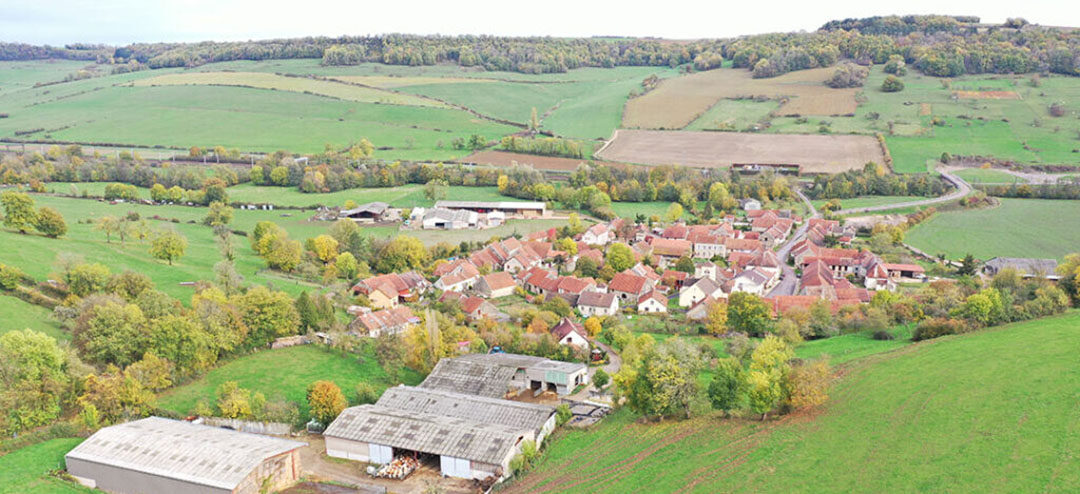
(386, 321)
(700, 310)
(386, 291)
(629, 287)
(371, 212)
(675, 232)
(668, 250)
(1027, 267)
(706, 269)
(750, 204)
(707, 245)
(652, 302)
(476, 308)
(598, 234)
(817, 280)
(574, 285)
(698, 290)
(456, 276)
(755, 281)
(900, 272)
(570, 332)
(165, 456)
(495, 285)
(597, 304)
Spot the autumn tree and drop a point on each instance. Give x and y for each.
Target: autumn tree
(169, 245)
(326, 401)
(674, 212)
(267, 315)
(83, 279)
(347, 265)
(807, 384)
(402, 254)
(716, 318)
(436, 189)
(220, 214)
(50, 222)
(19, 211)
(619, 257)
(324, 247)
(32, 380)
(767, 373)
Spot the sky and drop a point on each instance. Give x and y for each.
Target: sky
(119, 22)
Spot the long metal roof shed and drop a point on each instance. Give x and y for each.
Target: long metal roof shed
(197, 454)
(482, 409)
(426, 433)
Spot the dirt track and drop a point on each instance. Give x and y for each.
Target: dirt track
(816, 153)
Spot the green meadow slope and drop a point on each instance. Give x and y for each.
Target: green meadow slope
(993, 411)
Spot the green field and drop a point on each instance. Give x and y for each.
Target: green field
(36, 254)
(987, 176)
(19, 314)
(845, 348)
(730, 114)
(26, 471)
(404, 196)
(287, 371)
(1016, 228)
(928, 417)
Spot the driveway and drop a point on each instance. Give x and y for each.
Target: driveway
(961, 189)
(612, 367)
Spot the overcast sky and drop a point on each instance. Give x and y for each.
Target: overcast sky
(125, 21)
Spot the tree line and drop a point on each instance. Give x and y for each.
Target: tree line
(875, 180)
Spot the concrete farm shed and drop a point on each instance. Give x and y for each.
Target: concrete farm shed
(163, 456)
(505, 375)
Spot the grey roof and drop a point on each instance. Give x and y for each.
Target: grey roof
(426, 432)
(490, 205)
(443, 214)
(706, 285)
(180, 450)
(482, 409)
(371, 207)
(596, 299)
(1024, 265)
(489, 374)
(463, 376)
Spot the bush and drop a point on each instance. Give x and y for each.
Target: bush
(365, 393)
(10, 276)
(892, 84)
(848, 75)
(883, 336)
(937, 327)
(563, 414)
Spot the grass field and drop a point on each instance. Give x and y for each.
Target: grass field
(405, 196)
(263, 80)
(288, 372)
(987, 176)
(18, 314)
(924, 418)
(26, 471)
(845, 348)
(1016, 228)
(36, 255)
(733, 114)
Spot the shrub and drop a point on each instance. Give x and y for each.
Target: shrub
(937, 327)
(563, 414)
(365, 393)
(883, 335)
(10, 276)
(848, 75)
(892, 84)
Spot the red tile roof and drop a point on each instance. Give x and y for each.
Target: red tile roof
(499, 280)
(627, 283)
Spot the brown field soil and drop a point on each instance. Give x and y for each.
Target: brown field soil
(925, 109)
(816, 153)
(503, 158)
(986, 94)
(678, 101)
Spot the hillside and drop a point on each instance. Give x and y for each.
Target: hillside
(995, 411)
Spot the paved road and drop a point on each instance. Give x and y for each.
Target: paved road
(611, 368)
(788, 281)
(962, 189)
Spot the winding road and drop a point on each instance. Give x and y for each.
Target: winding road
(962, 188)
(788, 281)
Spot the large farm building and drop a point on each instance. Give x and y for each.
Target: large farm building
(459, 417)
(165, 456)
(519, 209)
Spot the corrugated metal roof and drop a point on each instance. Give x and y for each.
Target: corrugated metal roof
(425, 432)
(485, 410)
(179, 450)
(463, 376)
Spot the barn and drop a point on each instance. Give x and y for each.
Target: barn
(163, 456)
(368, 213)
(465, 436)
(517, 209)
(501, 375)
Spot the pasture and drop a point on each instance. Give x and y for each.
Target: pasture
(816, 153)
(546, 163)
(404, 196)
(18, 314)
(923, 417)
(677, 102)
(1016, 228)
(286, 372)
(987, 176)
(28, 470)
(36, 254)
(274, 82)
(865, 201)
